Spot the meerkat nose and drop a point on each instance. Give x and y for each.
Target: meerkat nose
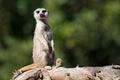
(42, 15)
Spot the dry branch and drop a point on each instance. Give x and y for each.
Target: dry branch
(78, 73)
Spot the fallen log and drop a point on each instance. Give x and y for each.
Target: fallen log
(111, 72)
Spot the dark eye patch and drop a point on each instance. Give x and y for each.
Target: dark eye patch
(37, 12)
(43, 11)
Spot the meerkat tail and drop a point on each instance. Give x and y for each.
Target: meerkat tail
(29, 67)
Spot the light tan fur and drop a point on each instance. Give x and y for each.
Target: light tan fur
(43, 50)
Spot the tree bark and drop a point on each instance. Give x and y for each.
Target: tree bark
(111, 72)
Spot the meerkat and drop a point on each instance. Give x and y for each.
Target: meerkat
(43, 48)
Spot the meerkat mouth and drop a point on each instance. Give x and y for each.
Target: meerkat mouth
(42, 16)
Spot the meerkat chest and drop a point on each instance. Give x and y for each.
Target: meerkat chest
(40, 35)
(39, 28)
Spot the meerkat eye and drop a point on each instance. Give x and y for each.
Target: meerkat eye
(37, 12)
(43, 11)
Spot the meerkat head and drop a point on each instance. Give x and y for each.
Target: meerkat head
(41, 14)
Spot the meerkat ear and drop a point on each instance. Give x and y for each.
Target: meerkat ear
(48, 12)
(33, 12)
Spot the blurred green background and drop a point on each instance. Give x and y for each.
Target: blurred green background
(86, 32)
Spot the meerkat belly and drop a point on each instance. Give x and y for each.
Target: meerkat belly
(39, 48)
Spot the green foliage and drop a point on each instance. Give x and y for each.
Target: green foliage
(86, 32)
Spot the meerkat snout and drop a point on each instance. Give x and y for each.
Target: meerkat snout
(41, 14)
